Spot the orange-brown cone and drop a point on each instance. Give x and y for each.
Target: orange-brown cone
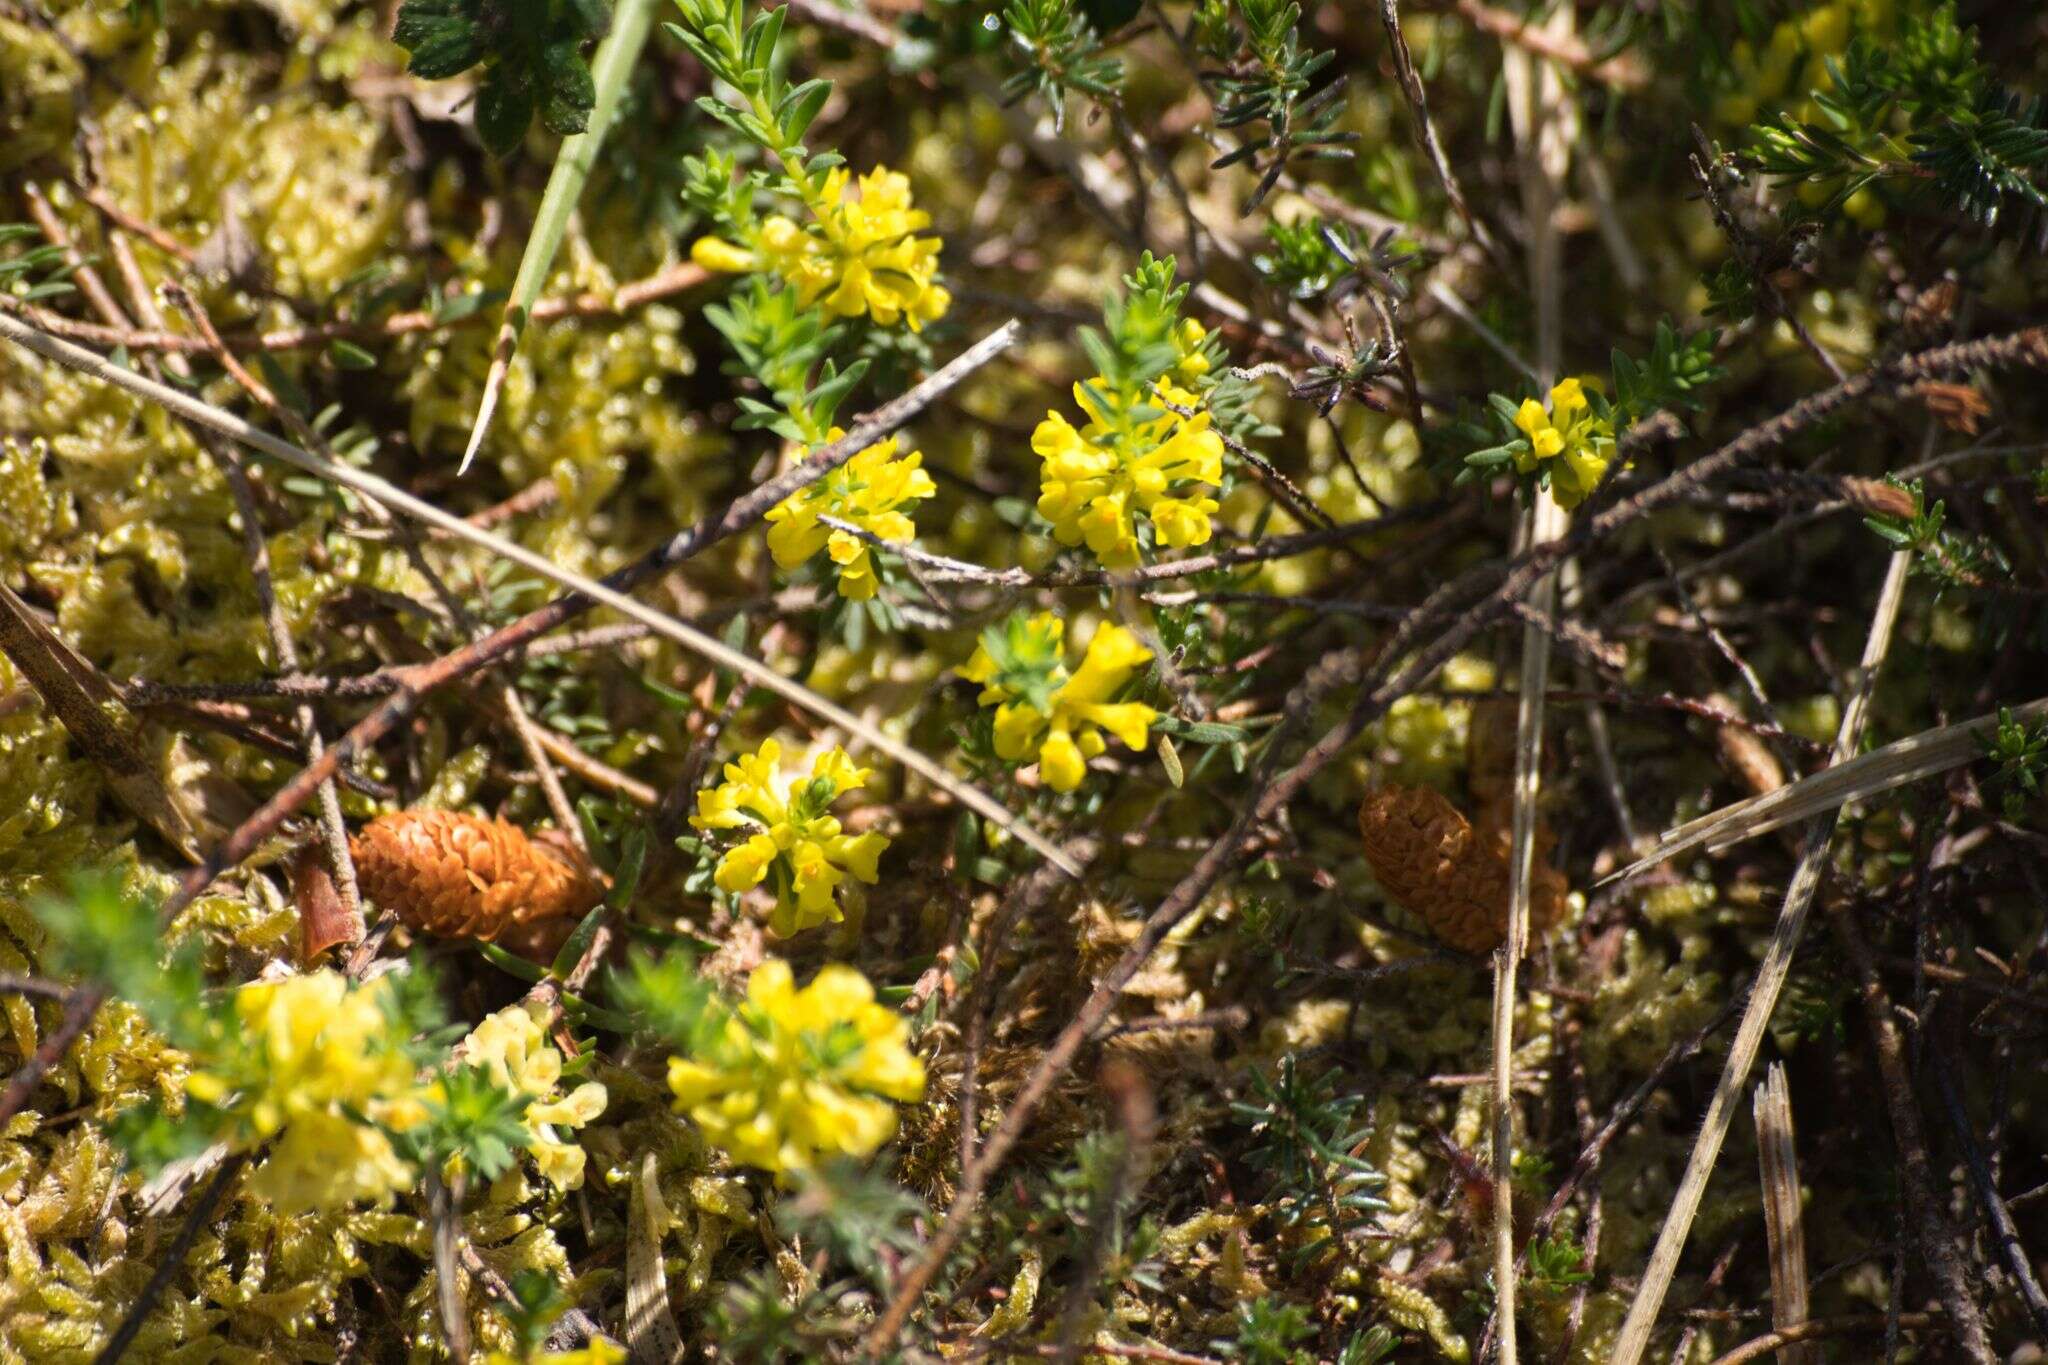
(461, 876)
(1433, 863)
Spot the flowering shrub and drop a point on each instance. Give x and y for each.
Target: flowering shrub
(1569, 442)
(1188, 1103)
(869, 491)
(1147, 449)
(786, 1077)
(795, 843)
(512, 1047)
(312, 1065)
(860, 255)
(1044, 712)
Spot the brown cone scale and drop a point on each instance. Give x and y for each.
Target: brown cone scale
(454, 875)
(1432, 861)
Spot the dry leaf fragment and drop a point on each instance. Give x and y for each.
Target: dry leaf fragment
(1880, 499)
(324, 921)
(1744, 753)
(461, 876)
(1959, 407)
(1433, 862)
(109, 733)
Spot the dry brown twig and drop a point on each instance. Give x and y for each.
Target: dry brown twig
(333, 828)
(1819, 1329)
(675, 279)
(1926, 1211)
(505, 695)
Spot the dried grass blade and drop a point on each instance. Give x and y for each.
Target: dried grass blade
(1784, 1226)
(651, 1332)
(1880, 770)
(1771, 975)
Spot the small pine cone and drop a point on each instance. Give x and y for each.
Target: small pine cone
(1433, 863)
(460, 876)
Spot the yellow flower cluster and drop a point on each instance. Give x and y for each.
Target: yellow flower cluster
(796, 843)
(1792, 67)
(791, 1075)
(597, 1351)
(1098, 479)
(1580, 442)
(512, 1046)
(870, 491)
(1044, 711)
(1794, 60)
(862, 256)
(314, 1067)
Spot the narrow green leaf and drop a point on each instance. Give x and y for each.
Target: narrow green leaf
(349, 356)
(632, 862)
(578, 153)
(574, 946)
(510, 963)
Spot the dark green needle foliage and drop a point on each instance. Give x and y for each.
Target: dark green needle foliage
(2021, 753)
(1919, 114)
(1058, 54)
(1305, 1142)
(1264, 85)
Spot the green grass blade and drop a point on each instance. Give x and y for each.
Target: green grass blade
(616, 55)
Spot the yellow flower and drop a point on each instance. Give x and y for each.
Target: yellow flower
(1096, 480)
(513, 1047)
(715, 253)
(869, 491)
(326, 1159)
(1569, 432)
(794, 842)
(861, 255)
(1043, 711)
(596, 1351)
(313, 1065)
(791, 1076)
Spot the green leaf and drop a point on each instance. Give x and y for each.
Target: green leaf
(1203, 731)
(282, 384)
(578, 942)
(590, 18)
(457, 307)
(504, 109)
(632, 862)
(570, 92)
(801, 105)
(573, 160)
(511, 963)
(349, 356)
(442, 45)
